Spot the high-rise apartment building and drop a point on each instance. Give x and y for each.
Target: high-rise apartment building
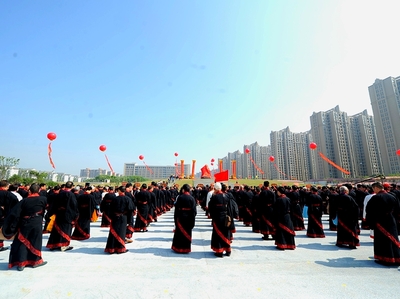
(385, 102)
(365, 145)
(292, 157)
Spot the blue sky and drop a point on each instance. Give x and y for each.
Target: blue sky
(201, 78)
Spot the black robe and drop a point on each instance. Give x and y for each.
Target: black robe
(66, 211)
(296, 212)
(380, 218)
(120, 207)
(220, 238)
(347, 213)
(25, 219)
(284, 235)
(142, 200)
(184, 218)
(105, 209)
(86, 206)
(267, 220)
(315, 228)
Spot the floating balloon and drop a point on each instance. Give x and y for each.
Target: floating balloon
(247, 151)
(212, 164)
(272, 158)
(103, 148)
(141, 157)
(212, 160)
(176, 154)
(51, 136)
(398, 152)
(313, 145)
(176, 164)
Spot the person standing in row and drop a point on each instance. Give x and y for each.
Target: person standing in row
(184, 218)
(266, 206)
(379, 216)
(86, 206)
(25, 220)
(315, 228)
(65, 208)
(220, 238)
(121, 207)
(284, 235)
(7, 202)
(347, 213)
(142, 200)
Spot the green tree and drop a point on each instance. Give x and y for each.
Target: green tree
(15, 179)
(5, 164)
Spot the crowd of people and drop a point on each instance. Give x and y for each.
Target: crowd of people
(275, 212)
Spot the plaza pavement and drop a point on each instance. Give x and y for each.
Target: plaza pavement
(256, 269)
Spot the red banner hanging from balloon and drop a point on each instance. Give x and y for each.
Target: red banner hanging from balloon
(141, 157)
(51, 160)
(255, 165)
(333, 164)
(109, 165)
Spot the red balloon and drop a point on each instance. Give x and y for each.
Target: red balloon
(51, 136)
(212, 160)
(141, 157)
(102, 148)
(176, 154)
(272, 158)
(176, 164)
(212, 164)
(398, 152)
(313, 145)
(247, 151)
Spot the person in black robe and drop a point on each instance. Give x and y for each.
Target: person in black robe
(25, 221)
(347, 213)
(380, 218)
(105, 207)
(267, 221)
(86, 207)
(333, 197)
(120, 207)
(151, 215)
(315, 228)
(247, 197)
(296, 212)
(184, 218)
(7, 202)
(52, 196)
(231, 209)
(255, 211)
(220, 238)
(66, 211)
(129, 228)
(284, 235)
(142, 200)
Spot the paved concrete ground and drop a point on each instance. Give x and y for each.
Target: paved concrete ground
(256, 269)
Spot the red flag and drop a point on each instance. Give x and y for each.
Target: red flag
(221, 176)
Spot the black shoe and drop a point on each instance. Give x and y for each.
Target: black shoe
(228, 253)
(265, 238)
(123, 251)
(3, 248)
(218, 254)
(39, 265)
(20, 268)
(66, 248)
(352, 247)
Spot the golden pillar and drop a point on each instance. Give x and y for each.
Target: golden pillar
(193, 165)
(182, 169)
(233, 169)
